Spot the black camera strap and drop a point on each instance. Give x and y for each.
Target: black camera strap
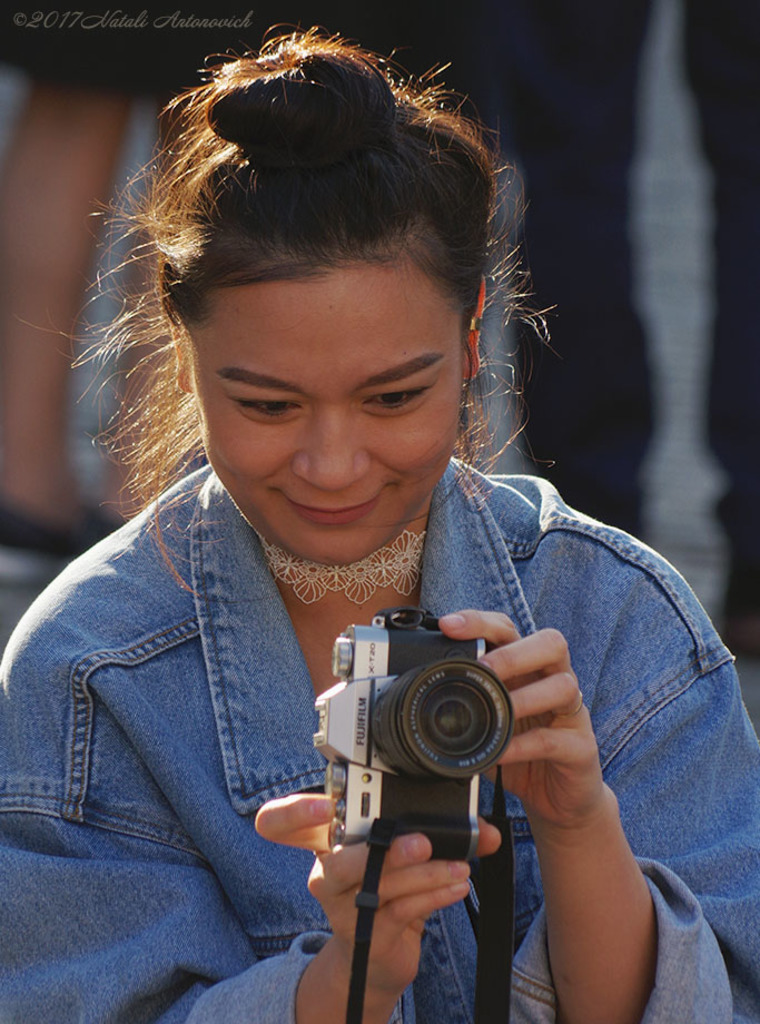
(367, 901)
(496, 920)
(495, 928)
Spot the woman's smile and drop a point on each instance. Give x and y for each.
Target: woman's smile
(335, 516)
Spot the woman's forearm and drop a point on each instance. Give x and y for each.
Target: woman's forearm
(602, 933)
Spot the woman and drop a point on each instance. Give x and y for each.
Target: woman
(321, 237)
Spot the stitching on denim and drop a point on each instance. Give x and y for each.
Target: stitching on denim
(140, 829)
(440, 920)
(217, 662)
(534, 982)
(274, 944)
(311, 774)
(51, 807)
(219, 680)
(79, 763)
(632, 557)
(534, 990)
(494, 535)
(655, 707)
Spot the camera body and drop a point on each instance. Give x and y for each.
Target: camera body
(409, 728)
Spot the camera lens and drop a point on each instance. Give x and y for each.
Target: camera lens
(455, 718)
(451, 718)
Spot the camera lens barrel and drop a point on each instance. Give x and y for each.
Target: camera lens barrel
(451, 718)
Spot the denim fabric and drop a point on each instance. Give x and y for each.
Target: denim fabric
(153, 700)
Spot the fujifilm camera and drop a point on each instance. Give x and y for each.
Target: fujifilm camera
(408, 730)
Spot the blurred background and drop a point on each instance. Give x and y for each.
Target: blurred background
(671, 226)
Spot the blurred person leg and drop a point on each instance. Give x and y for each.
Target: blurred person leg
(59, 166)
(723, 57)
(570, 71)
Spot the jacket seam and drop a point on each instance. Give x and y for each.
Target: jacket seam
(139, 829)
(578, 528)
(666, 697)
(312, 773)
(48, 807)
(137, 653)
(534, 990)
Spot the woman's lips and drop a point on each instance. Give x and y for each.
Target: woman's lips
(334, 516)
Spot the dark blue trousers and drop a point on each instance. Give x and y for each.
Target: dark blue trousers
(561, 79)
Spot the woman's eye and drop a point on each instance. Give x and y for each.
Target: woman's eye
(271, 409)
(397, 399)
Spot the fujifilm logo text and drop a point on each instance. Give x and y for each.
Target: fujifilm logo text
(361, 723)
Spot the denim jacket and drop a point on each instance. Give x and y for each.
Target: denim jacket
(150, 705)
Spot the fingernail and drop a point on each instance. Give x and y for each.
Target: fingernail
(452, 620)
(321, 810)
(413, 846)
(460, 890)
(459, 869)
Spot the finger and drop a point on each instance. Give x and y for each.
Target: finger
(416, 847)
(418, 907)
(489, 839)
(560, 746)
(558, 694)
(542, 652)
(300, 820)
(494, 627)
(342, 869)
(422, 878)
(345, 867)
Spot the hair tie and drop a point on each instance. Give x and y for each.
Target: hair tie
(476, 323)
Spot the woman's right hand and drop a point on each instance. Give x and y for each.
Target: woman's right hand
(412, 886)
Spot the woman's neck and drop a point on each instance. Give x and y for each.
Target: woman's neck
(317, 625)
(322, 600)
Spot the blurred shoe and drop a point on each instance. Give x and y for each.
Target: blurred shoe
(32, 552)
(741, 619)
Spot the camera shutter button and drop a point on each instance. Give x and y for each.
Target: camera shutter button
(342, 657)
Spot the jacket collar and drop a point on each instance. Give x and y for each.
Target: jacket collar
(260, 686)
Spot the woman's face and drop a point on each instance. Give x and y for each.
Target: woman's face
(330, 404)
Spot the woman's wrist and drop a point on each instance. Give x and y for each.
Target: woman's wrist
(603, 817)
(322, 996)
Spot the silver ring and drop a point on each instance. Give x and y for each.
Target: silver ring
(576, 710)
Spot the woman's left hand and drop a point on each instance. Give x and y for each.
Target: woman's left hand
(552, 761)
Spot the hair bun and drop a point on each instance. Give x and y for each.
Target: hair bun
(304, 109)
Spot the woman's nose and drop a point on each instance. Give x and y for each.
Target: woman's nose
(331, 456)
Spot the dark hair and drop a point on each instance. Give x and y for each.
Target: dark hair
(309, 156)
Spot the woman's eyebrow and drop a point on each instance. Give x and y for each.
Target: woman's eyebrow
(403, 370)
(260, 380)
(389, 376)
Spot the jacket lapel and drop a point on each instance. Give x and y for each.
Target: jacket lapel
(260, 686)
(467, 561)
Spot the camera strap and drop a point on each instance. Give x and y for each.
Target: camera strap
(496, 920)
(367, 901)
(495, 927)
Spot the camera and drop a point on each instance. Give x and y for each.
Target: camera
(414, 721)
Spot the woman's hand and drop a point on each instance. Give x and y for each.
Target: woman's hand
(552, 761)
(590, 878)
(412, 886)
